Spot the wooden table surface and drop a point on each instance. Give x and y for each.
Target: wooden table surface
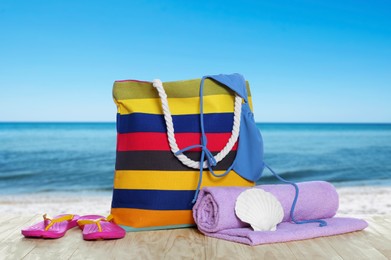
(372, 243)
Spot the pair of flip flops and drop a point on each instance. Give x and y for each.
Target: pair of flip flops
(94, 227)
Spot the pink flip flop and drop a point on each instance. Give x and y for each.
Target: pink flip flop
(97, 227)
(51, 227)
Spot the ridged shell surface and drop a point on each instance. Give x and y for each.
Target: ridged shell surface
(260, 209)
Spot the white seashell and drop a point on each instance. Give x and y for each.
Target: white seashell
(260, 209)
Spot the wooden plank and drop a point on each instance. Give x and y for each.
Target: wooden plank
(11, 250)
(101, 249)
(167, 244)
(372, 243)
(378, 234)
(13, 245)
(274, 251)
(317, 248)
(352, 245)
(184, 244)
(149, 244)
(12, 224)
(62, 248)
(383, 246)
(221, 249)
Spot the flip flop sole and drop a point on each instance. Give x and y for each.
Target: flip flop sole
(103, 236)
(57, 230)
(42, 234)
(109, 230)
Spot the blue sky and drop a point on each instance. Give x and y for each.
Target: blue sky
(306, 61)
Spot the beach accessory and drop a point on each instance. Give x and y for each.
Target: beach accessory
(98, 227)
(214, 213)
(260, 209)
(175, 138)
(51, 227)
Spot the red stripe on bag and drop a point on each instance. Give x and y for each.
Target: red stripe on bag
(149, 141)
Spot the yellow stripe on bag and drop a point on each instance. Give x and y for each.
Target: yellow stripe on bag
(178, 106)
(181, 89)
(174, 180)
(139, 218)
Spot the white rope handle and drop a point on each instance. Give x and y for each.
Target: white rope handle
(171, 136)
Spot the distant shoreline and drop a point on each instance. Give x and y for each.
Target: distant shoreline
(55, 156)
(361, 201)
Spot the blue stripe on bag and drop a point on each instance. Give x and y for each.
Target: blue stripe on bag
(153, 199)
(139, 122)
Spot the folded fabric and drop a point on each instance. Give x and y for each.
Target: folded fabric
(287, 231)
(214, 214)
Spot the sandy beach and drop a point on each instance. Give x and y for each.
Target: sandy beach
(364, 201)
(361, 201)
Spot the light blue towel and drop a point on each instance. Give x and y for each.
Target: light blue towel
(249, 157)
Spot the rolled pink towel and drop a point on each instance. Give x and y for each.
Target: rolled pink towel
(214, 213)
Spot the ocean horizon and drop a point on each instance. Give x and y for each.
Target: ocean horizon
(80, 156)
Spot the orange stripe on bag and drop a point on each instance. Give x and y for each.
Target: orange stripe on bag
(174, 180)
(140, 218)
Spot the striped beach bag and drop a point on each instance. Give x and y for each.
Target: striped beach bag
(174, 138)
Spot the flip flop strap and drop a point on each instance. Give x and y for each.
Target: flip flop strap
(83, 222)
(53, 221)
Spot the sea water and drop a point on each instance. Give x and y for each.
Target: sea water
(68, 157)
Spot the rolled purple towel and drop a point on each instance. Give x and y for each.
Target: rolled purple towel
(214, 214)
(215, 206)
